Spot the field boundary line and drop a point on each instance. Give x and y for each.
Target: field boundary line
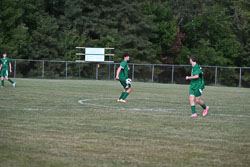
(86, 102)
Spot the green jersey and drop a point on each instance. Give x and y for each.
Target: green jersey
(5, 63)
(124, 71)
(199, 82)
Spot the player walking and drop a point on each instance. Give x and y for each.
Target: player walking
(5, 66)
(196, 87)
(122, 76)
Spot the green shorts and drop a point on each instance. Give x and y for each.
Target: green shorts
(125, 86)
(195, 92)
(4, 73)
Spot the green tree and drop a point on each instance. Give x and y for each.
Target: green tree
(153, 31)
(45, 39)
(69, 39)
(118, 24)
(165, 29)
(239, 10)
(13, 36)
(210, 37)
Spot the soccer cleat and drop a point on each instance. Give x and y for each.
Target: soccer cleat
(123, 101)
(14, 85)
(118, 100)
(205, 111)
(194, 115)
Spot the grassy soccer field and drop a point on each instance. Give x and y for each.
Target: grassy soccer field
(79, 123)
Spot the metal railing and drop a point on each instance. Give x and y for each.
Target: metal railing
(161, 73)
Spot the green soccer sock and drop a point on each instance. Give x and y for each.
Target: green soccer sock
(2, 81)
(125, 95)
(204, 106)
(122, 95)
(10, 81)
(193, 109)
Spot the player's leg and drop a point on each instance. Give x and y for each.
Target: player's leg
(8, 79)
(127, 92)
(12, 82)
(192, 103)
(2, 81)
(123, 83)
(201, 102)
(2, 78)
(123, 92)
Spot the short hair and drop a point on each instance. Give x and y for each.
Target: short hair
(126, 55)
(193, 58)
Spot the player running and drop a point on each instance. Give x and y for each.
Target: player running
(196, 87)
(122, 76)
(5, 66)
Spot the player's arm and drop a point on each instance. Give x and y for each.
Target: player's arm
(118, 72)
(10, 67)
(192, 77)
(0, 66)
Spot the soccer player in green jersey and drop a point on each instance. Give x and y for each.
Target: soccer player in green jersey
(196, 87)
(5, 66)
(122, 76)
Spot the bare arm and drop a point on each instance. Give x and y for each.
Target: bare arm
(0, 67)
(118, 72)
(192, 77)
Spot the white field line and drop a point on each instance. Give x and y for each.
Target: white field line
(34, 109)
(31, 109)
(88, 102)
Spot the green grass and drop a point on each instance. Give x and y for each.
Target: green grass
(43, 124)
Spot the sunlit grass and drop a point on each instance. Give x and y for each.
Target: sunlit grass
(42, 123)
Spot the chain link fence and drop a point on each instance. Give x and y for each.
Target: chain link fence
(160, 73)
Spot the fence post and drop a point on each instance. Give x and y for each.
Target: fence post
(96, 74)
(43, 70)
(153, 71)
(240, 78)
(15, 70)
(109, 69)
(109, 64)
(114, 71)
(79, 71)
(66, 70)
(172, 79)
(133, 71)
(215, 76)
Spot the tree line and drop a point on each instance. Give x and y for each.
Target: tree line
(153, 31)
